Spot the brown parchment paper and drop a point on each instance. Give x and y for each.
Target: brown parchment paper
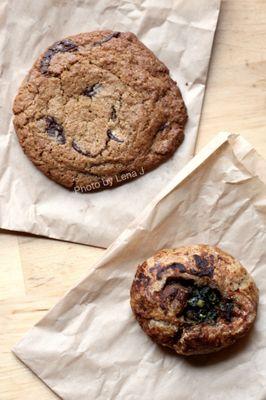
(90, 347)
(179, 32)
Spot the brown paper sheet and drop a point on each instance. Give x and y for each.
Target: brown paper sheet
(179, 32)
(90, 347)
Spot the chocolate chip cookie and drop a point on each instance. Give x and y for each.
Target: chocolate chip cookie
(194, 300)
(98, 109)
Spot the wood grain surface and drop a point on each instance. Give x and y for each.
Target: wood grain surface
(35, 272)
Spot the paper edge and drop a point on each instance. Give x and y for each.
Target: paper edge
(188, 169)
(206, 152)
(216, 7)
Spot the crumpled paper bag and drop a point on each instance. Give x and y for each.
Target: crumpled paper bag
(179, 32)
(89, 346)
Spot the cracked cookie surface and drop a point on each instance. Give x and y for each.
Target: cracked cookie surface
(96, 106)
(194, 300)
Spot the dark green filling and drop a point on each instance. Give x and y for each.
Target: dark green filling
(206, 304)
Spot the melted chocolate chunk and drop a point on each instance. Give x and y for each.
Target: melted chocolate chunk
(59, 47)
(170, 291)
(161, 270)
(187, 283)
(55, 130)
(206, 269)
(113, 113)
(200, 262)
(199, 303)
(107, 38)
(91, 91)
(174, 292)
(111, 136)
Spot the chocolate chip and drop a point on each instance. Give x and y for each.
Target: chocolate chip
(79, 150)
(110, 136)
(91, 91)
(45, 62)
(113, 137)
(179, 266)
(55, 130)
(62, 46)
(113, 113)
(163, 127)
(107, 38)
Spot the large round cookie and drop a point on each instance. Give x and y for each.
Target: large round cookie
(195, 299)
(98, 109)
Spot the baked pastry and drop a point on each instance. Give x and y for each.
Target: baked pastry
(98, 109)
(194, 300)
